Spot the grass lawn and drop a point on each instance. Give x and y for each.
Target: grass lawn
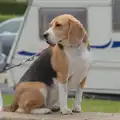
(88, 105)
(6, 17)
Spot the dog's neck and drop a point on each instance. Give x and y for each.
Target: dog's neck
(74, 51)
(79, 48)
(66, 43)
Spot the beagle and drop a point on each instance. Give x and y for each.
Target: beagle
(60, 67)
(70, 59)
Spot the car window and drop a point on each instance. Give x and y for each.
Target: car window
(11, 26)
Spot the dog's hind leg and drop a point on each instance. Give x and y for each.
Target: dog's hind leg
(31, 99)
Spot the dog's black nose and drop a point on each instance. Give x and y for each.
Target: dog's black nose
(45, 35)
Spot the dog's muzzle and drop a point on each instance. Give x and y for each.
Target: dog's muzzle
(46, 35)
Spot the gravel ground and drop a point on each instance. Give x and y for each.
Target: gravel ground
(58, 116)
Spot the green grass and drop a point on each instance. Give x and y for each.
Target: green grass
(7, 99)
(88, 105)
(92, 105)
(6, 17)
(12, 1)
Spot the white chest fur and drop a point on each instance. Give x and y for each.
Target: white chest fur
(78, 64)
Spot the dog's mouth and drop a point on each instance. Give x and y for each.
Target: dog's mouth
(50, 43)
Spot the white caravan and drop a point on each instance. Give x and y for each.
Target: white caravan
(101, 18)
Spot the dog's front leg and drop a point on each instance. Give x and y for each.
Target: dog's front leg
(53, 98)
(63, 95)
(79, 92)
(77, 102)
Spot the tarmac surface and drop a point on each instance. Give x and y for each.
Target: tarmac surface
(58, 116)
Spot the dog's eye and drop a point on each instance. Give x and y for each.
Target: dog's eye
(58, 25)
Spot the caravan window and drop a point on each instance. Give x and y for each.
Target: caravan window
(47, 14)
(116, 14)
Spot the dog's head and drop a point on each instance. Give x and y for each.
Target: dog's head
(65, 29)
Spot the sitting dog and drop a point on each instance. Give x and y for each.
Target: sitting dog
(62, 66)
(70, 59)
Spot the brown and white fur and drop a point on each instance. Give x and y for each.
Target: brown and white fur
(29, 97)
(72, 62)
(68, 58)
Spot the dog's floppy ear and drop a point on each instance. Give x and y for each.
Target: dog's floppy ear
(76, 32)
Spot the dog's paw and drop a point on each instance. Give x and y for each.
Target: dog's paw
(66, 111)
(41, 111)
(20, 110)
(76, 109)
(55, 108)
